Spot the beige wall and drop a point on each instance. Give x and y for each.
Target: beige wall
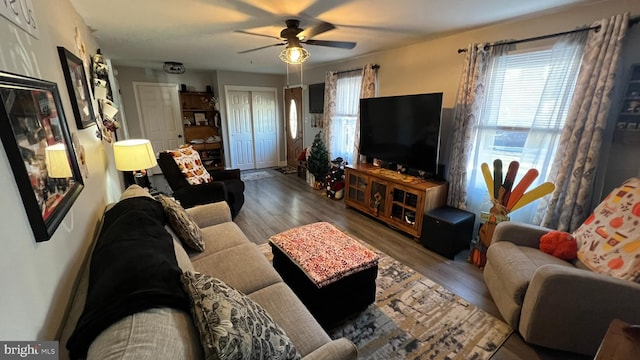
(36, 278)
(435, 66)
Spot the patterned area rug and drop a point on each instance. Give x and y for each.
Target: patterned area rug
(415, 318)
(250, 176)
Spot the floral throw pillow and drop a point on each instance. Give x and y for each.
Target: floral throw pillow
(188, 160)
(231, 325)
(182, 223)
(609, 240)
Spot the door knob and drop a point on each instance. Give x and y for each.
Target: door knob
(179, 136)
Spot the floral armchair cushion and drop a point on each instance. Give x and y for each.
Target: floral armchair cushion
(609, 240)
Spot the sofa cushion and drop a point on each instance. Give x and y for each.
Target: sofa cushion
(243, 267)
(286, 309)
(182, 223)
(516, 266)
(609, 240)
(190, 164)
(184, 261)
(161, 333)
(231, 325)
(220, 237)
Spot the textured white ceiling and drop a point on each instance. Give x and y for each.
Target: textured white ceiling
(200, 33)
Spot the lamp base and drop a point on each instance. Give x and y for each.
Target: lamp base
(136, 178)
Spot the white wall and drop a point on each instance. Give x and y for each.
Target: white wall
(36, 278)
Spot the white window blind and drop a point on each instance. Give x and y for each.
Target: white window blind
(523, 87)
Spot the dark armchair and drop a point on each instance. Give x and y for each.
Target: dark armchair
(226, 185)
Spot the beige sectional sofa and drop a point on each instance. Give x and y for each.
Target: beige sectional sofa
(166, 333)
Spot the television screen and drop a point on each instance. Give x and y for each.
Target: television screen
(402, 129)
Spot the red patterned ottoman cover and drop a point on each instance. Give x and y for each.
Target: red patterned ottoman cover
(333, 274)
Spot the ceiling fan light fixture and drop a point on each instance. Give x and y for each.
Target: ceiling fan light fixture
(172, 67)
(294, 54)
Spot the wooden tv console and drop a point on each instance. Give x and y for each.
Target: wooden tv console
(397, 199)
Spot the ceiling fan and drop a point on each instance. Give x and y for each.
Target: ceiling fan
(294, 36)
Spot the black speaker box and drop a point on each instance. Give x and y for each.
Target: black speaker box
(447, 230)
(183, 88)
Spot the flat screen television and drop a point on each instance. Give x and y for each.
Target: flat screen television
(316, 98)
(402, 130)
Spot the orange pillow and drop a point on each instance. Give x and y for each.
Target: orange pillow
(559, 244)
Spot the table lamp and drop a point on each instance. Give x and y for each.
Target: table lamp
(134, 155)
(57, 162)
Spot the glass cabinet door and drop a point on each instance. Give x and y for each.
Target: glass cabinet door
(403, 209)
(377, 201)
(357, 188)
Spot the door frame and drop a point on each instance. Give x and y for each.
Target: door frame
(176, 109)
(224, 124)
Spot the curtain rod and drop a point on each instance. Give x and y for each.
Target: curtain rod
(375, 67)
(632, 22)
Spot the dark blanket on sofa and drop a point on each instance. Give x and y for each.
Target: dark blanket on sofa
(133, 268)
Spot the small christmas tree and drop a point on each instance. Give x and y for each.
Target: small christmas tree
(318, 162)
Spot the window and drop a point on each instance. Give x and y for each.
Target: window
(526, 105)
(293, 119)
(344, 120)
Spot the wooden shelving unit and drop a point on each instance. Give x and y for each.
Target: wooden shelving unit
(200, 123)
(397, 199)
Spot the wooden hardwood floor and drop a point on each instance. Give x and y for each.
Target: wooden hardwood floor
(281, 202)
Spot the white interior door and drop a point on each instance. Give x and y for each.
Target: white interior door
(240, 131)
(159, 115)
(253, 128)
(265, 130)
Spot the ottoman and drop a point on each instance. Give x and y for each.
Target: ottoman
(332, 274)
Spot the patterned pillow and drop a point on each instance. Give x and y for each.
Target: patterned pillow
(609, 240)
(231, 325)
(182, 223)
(189, 162)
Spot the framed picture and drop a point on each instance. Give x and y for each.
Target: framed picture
(78, 88)
(200, 118)
(38, 145)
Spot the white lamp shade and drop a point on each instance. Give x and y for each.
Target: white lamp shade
(134, 155)
(57, 162)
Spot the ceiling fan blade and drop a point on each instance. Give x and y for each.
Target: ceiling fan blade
(260, 48)
(308, 33)
(335, 44)
(256, 34)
